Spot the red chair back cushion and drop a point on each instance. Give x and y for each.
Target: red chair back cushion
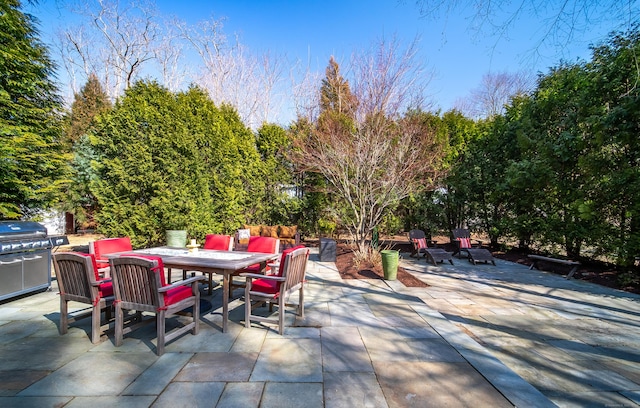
(106, 288)
(105, 246)
(284, 255)
(262, 244)
(159, 269)
(465, 243)
(420, 242)
(173, 295)
(217, 241)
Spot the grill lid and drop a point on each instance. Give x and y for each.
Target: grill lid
(11, 230)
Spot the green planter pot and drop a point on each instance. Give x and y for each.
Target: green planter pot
(177, 238)
(390, 260)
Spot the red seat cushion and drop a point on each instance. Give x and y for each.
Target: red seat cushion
(177, 294)
(266, 286)
(269, 286)
(105, 289)
(255, 268)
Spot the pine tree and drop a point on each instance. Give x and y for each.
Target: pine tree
(335, 93)
(89, 103)
(31, 162)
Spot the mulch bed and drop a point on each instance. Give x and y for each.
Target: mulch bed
(344, 263)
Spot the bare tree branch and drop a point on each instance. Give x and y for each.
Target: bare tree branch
(117, 41)
(494, 92)
(561, 22)
(379, 156)
(233, 75)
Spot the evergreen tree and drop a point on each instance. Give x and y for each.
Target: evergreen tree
(172, 161)
(31, 161)
(89, 103)
(279, 207)
(335, 93)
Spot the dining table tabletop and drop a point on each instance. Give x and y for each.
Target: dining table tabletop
(208, 261)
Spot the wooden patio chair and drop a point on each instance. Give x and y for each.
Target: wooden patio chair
(211, 241)
(100, 248)
(268, 289)
(78, 281)
(267, 245)
(139, 285)
(420, 246)
(475, 253)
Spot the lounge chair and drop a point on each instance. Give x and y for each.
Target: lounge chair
(475, 254)
(420, 246)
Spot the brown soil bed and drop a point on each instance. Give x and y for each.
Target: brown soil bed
(593, 271)
(347, 269)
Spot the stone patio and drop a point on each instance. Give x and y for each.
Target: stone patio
(479, 336)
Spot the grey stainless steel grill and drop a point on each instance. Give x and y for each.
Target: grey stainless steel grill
(25, 258)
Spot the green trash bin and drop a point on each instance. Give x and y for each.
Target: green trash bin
(390, 259)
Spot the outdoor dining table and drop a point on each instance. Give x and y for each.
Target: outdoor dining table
(225, 263)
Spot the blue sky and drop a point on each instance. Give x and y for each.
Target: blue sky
(312, 31)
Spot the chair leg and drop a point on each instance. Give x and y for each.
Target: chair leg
(64, 316)
(196, 308)
(247, 304)
(119, 325)
(96, 314)
(160, 326)
(301, 303)
(281, 315)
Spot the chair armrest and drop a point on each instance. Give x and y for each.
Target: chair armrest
(102, 260)
(100, 282)
(274, 268)
(105, 270)
(258, 276)
(479, 241)
(185, 282)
